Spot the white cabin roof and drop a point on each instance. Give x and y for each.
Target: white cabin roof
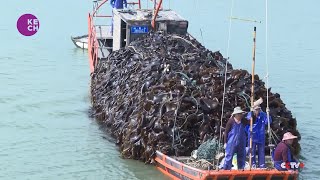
(146, 15)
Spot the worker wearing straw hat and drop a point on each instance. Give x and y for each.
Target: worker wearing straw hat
(235, 139)
(282, 152)
(258, 134)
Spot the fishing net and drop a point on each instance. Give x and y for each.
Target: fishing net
(208, 150)
(205, 155)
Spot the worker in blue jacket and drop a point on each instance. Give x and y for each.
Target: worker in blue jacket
(117, 4)
(235, 139)
(258, 135)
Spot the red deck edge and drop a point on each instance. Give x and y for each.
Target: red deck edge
(168, 174)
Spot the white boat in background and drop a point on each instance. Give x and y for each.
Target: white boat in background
(80, 41)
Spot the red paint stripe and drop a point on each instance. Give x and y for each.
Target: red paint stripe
(167, 173)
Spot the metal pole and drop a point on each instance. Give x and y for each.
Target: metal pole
(244, 19)
(252, 93)
(153, 23)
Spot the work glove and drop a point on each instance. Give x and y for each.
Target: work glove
(224, 146)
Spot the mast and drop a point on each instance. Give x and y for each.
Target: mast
(156, 11)
(252, 93)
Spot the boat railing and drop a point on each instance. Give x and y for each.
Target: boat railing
(171, 165)
(93, 44)
(98, 5)
(135, 3)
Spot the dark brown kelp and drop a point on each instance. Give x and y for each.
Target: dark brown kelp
(164, 92)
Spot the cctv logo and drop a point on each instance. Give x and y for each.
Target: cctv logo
(292, 165)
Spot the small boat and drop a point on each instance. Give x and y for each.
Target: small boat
(175, 168)
(80, 41)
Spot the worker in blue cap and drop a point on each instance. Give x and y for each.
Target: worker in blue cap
(117, 4)
(235, 139)
(258, 135)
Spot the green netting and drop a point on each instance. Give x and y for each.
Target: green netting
(208, 150)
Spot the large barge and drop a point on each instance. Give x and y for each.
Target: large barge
(133, 23)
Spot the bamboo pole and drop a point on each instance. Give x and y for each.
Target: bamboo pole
(252, 93)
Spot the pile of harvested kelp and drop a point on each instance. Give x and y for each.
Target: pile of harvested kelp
(164, 92)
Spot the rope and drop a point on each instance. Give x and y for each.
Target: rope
(201, 36)
(225, 74)
(177, 37)
(174, 129)
(267, 76)
(197, 12)
(184, 75)
(275, 135)
(201, 163)
(247, 103)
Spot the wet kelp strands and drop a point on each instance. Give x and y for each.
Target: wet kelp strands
(164, 92)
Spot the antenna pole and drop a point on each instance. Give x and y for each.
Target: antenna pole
(252, 93)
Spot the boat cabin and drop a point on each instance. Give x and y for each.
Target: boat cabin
(128, 25)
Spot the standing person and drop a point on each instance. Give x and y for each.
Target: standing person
(235, 139)
(117, 4)
(282, 152)
(258, 135)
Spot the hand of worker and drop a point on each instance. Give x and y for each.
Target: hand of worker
(224, 146)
